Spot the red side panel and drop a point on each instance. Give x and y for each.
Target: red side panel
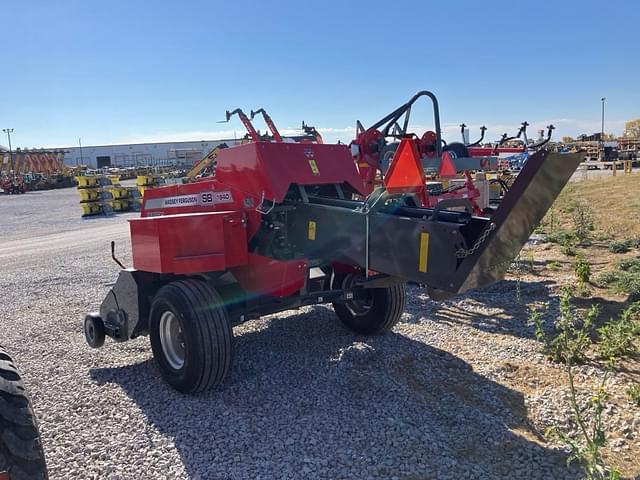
(269, 169)
(266, 276)
(189, 243)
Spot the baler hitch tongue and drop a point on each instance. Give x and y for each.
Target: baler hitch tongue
(535, 189)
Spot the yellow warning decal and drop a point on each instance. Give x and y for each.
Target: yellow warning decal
(314, 166)
(312, 230)
(424, 252)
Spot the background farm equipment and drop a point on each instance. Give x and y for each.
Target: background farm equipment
(104, 195)
(31, 170)
(283, 225)
(207, 165)
(447, 167)
(12, 185)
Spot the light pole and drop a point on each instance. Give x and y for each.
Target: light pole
(80, 143)
(9, 131)
(602, 130)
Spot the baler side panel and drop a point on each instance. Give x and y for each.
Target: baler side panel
(189, 243)
(242, 167)
(266, 276)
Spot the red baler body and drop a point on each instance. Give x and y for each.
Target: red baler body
(206, 226)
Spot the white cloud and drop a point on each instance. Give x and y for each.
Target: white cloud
(450, 131)
(197, 135)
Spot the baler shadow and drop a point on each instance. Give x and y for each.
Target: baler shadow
(505, 306)
(332, 404)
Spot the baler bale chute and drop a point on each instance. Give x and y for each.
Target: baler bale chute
(282, 225)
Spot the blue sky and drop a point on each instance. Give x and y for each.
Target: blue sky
(121, 71)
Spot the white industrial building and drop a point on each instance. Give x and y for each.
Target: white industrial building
(140, 154)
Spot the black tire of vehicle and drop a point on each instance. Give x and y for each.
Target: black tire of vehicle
(384, 312)
(206, 332)
(21, 453)
(458, 148)
(94, 332)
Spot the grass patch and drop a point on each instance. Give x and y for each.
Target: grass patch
(553, 265)
(614, 207)
(625, 279)
(560, 237)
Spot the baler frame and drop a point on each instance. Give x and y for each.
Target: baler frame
(285, 225)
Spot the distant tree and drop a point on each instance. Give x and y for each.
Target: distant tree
(568, 139)
(632, 128)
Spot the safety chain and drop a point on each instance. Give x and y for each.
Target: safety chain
(462, 253)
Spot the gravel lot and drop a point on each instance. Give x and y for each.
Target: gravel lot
(451, 393)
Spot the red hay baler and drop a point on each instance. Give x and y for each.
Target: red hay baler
(282, 225)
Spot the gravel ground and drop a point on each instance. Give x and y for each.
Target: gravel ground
(445, 395)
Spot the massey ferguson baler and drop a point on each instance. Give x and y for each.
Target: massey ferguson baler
(282, 225)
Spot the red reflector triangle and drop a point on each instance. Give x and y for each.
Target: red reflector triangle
(447, 168)
(405, 173)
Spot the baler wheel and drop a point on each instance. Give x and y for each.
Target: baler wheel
(21, 454)
(94, 332)
(191, 335)
(376, 314)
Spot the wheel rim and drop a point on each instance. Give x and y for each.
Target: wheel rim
(357, 307)
(172, 340)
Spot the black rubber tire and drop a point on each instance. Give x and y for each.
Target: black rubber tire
(21, 454)
(385, 311)
(207, 334)
(94, 332)
(458, 148)
(386, 155)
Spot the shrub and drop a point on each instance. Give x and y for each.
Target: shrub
(606, 279)
(633, 394)
(582, 216)
(560, 237)
(617, 337)
(573, 332)
(631, 265)
(582, 269)
(570, 344)
(619, 247)
(625, 280)
(568, 247)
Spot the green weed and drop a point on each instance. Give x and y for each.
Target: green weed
(633, 394)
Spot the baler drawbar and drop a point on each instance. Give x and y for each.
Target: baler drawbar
(281, 225)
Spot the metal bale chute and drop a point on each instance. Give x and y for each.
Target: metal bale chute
(521, 210)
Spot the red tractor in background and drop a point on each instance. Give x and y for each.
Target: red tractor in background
(282, 225)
